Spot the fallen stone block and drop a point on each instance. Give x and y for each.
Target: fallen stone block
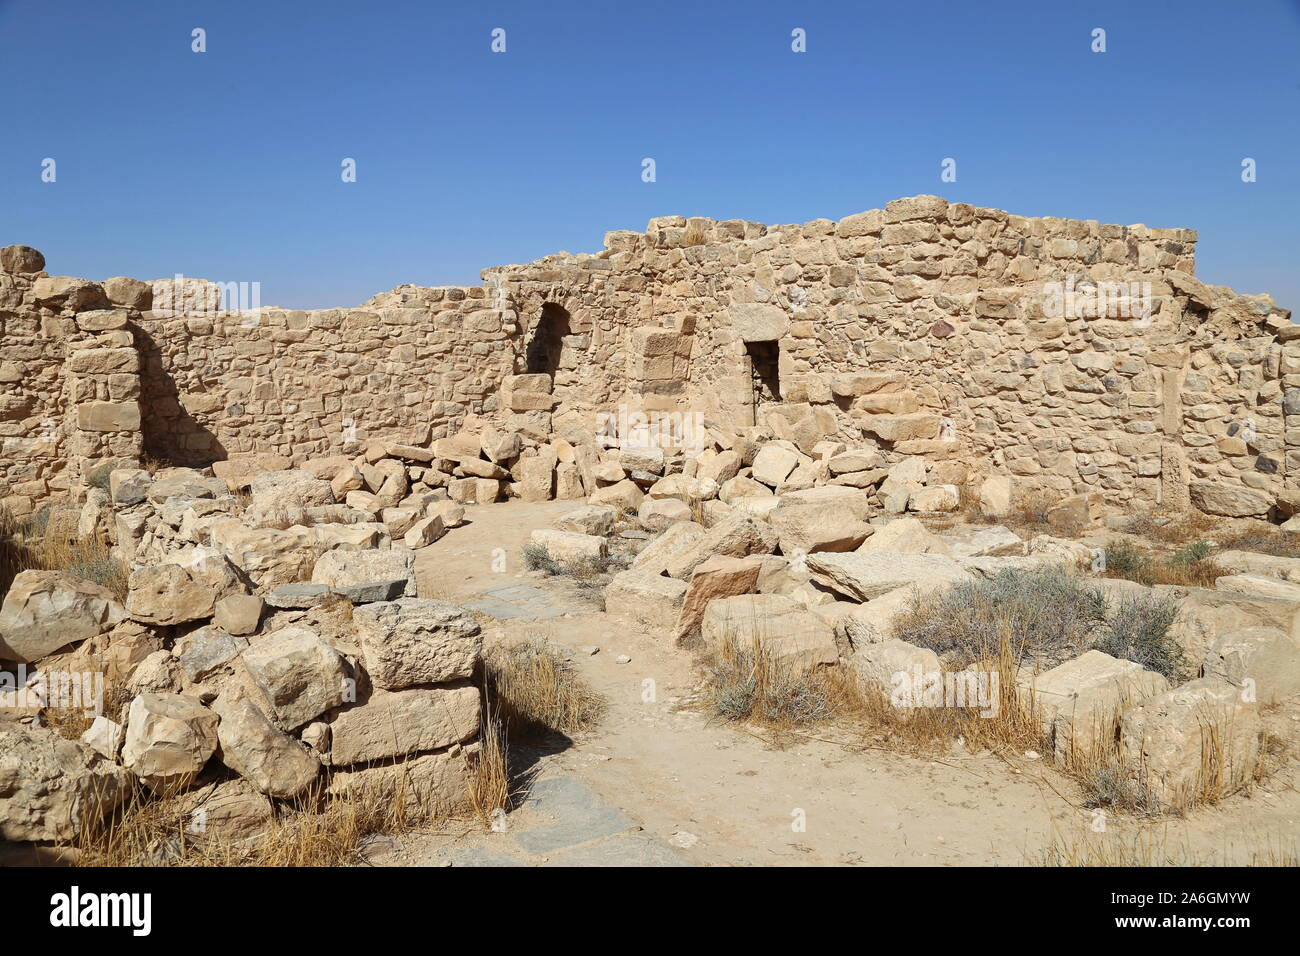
(864, 576)
(169, 738)
(1263, 659)
(44, 611)
(1080, 701)
(414, 641)
(1197, 740)
(644, 596)
(398, 723)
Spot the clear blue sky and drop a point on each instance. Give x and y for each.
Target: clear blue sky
(226, 164)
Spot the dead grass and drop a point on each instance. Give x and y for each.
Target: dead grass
(312, 831)
(490, 787)
(48, 542)
(589, 575)
(1274, 541)
(749, 683)
(1173, 527)
(1009, 726)
(536, 691)
(1153, 846)
(1030, 515)
(1192, 566)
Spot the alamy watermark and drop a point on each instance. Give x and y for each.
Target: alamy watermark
(636, 429)
(1080, 297)
(976, 690)
(57, 690)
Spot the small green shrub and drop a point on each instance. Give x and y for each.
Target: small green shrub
(1050, 615)
(1137, 629)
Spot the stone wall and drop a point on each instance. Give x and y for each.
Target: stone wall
(1074, 355)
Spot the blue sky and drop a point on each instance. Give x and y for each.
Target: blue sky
(226, 164)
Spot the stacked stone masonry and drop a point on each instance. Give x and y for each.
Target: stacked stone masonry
(1072, 355)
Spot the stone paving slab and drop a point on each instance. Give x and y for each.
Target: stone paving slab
(569, 824)
(522, 601)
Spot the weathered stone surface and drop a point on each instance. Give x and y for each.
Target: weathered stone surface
(341, 570)
(718, 577)
(186, 588)
(1081, 700)
(238, 473)
(398, 723)
(773, 464)
(756, 322)
(298, 674)
(644, 596)
(277, 490)
(257, 750)
(569, 546)
(590, 519)
(46, 610)
(204, 650)
(1233, 501)
(783, 629)
(737, 536)
(905, 535)
(52, 788)
(413, 641)
(813, 527)
(995, 541)
(129, 486)
(109, 417)
(430, 785)
(863, 576)
(873, 622)
(1263, 659)
(238, 613)
(934, 498)
(658, 514)
(1259, 585)
(1199, 736)
(880, 662)
(169, 738)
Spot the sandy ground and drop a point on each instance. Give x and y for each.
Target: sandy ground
(722, 795)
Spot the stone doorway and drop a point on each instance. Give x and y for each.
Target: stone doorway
(764, 365)
(546, 344)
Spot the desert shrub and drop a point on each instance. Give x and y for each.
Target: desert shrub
(745, 682)
(536, 691)
(1137, 629)
(1048, 614)
(1107, 784)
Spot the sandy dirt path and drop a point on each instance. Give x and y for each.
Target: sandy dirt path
(722, 795)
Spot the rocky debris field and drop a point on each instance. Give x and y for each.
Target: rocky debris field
(272, 641)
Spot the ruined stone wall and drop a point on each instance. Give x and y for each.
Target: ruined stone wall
(928, 327)
(408, 365)
(931, 320)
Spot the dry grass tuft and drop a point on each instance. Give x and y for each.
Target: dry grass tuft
(1150, 846)
(48, 541)
(313, 831)
(1166, 527)
(1010, 726)
(749, 683)
(1191, 566)
(490, 789)
(536, 691)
